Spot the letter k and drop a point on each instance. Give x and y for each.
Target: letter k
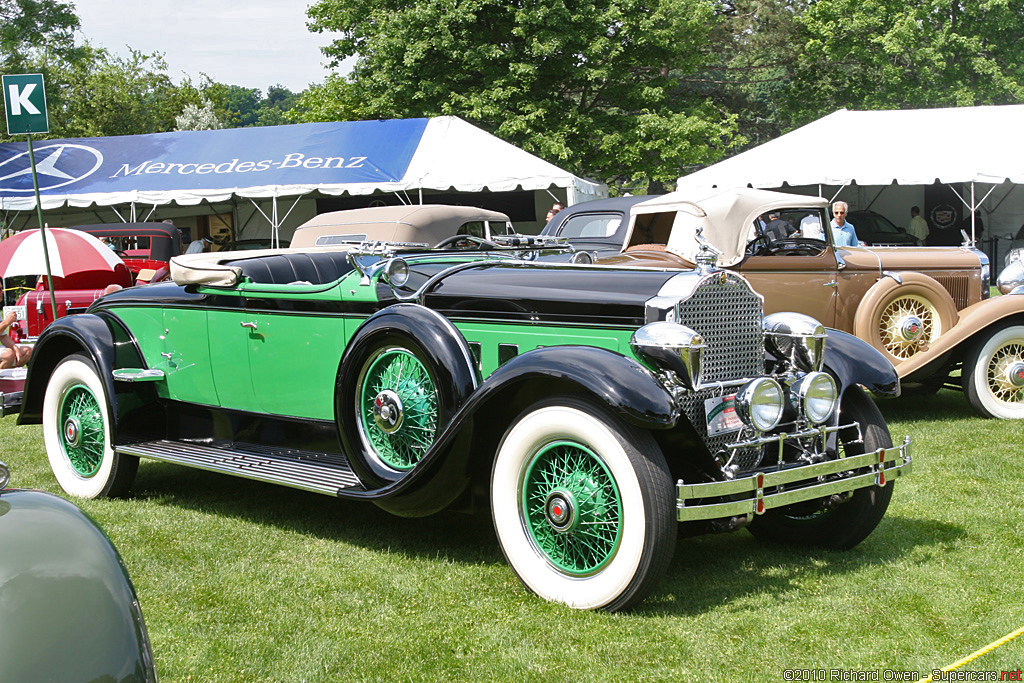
(20, 99)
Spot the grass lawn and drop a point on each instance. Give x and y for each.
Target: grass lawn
(241, 581)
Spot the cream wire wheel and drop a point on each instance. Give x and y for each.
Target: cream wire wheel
(906, 323)
(993, 374)
(904, 314)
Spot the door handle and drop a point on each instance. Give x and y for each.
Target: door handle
(831, 284)
(251, 326)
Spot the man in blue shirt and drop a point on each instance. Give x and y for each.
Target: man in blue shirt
(843, 234)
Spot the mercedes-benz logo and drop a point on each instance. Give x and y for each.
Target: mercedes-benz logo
(57, 165)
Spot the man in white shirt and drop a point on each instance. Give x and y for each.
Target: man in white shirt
(918, 225)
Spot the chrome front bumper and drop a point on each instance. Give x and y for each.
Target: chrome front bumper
(756, 493)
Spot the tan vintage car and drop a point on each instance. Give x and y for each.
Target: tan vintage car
(435, 225)
(926, 308)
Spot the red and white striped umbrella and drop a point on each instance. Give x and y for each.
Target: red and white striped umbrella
(71, 251)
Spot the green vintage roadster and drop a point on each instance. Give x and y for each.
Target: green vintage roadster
(597, 412)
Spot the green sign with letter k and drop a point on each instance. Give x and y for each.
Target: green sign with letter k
(25, 104)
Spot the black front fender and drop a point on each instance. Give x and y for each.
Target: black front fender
(626, 386)
(101, 337)
(853, 361)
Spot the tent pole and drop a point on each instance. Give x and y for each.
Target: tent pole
(973, 209)
(872, 202)
(275, 238)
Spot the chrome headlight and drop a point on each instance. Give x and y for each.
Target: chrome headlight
(815, 396)
(759, 404)
(797, 339)
(1011, 277)
(396, 272)
(672, 347)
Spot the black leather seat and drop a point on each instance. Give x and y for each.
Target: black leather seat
(283, 269)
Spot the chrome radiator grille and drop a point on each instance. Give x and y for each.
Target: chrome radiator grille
(727, 313)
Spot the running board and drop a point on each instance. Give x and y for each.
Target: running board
(313, 471)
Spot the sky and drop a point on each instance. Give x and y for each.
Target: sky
(251, 43)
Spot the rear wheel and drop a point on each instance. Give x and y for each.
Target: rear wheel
(844, 524)
(582, 505)
(993, 374)
(76, 431)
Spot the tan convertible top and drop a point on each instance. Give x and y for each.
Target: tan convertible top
(725, 216)
(425, 223)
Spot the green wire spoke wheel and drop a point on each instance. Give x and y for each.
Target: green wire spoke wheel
(572, 507)
(77, 431)
(398, 408)
(82, 434)
(583, 504)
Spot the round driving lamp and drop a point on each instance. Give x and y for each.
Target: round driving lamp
(5, 475)
(815, 397)
(760, 403)
(1011, 278)
(672, 347)
(582, 258)
(396, 272)
(796, 339)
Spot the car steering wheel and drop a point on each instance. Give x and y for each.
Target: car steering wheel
(474, 242)
(760, 245)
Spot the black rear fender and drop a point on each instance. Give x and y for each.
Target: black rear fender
(623, 384)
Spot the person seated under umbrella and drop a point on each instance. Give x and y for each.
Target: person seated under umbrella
(11, 355)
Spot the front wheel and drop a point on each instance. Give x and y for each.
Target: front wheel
(582, 505)
(993, 374)
(76, 431)
(845, 524)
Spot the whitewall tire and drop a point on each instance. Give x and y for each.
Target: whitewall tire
(582, 505)
(993, 374)
(76, 431)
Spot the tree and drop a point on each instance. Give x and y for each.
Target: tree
(752, 50)
(198, 117)
(30, 27)
(111, 95)
(587, 85)
(881, 54)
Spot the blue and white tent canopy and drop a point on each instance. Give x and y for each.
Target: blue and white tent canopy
(354, 157)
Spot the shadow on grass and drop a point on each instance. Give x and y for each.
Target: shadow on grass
(458, 536)
(707, 571)
(946, 405)
(710, 571)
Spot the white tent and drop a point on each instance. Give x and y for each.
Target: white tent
(908, 147)
(981, 148)
(262, 165)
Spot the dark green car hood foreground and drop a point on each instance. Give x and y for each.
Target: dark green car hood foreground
(68, 610)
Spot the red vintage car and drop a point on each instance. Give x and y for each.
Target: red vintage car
(144, 248)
